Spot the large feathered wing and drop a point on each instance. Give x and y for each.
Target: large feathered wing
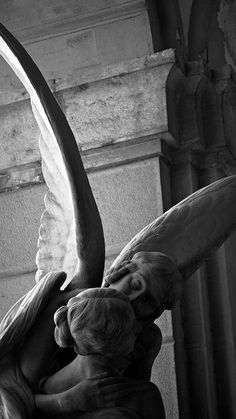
(71, 235)
(192, 230)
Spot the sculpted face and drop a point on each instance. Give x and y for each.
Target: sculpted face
(141, 288)
(133, 284)
(147, 283)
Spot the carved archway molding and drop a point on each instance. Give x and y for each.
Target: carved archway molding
(201, 105)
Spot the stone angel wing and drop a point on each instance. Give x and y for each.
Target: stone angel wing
(71, 235)
(192, 230)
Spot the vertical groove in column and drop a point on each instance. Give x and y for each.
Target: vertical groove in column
(221, 276)
(193, 348)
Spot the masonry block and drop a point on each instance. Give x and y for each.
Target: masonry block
(119, 107)
(129, 198)
(122, 40)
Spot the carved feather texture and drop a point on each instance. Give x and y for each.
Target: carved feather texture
(192, 230)
(71, 230)
(57, 239)
(71, 235)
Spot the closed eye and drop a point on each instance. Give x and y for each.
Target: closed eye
(137, 284)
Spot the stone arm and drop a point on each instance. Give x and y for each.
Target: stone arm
(140, 397)
(89, 394)
(76, 399)
(38, 352)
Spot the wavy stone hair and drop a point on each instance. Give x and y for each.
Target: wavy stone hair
(164, 271)
(97, 321)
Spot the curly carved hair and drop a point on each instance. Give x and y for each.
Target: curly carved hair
(163, 270)
(97, 321)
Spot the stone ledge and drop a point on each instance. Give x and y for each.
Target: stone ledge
(64, 59)
(17, 271)
(21, 176)
(101, 72)
(205, 159)
(128, 101)
(96, 159)
(81, 77)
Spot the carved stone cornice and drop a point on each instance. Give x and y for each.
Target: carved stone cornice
(201, 111)
(97, 159)
(117, 116)
(205, 159)
(62, 18)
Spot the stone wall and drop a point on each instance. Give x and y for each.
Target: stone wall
(96, 57)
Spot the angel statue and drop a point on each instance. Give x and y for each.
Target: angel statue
(80, 344)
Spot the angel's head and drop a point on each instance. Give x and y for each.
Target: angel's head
(152, 282)
(97, 321)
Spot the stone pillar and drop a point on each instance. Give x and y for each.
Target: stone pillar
(204, 320)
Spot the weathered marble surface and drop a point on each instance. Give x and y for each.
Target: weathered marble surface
(128, 102)
(67, 40)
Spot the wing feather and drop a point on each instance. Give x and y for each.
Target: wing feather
(71, 235)
(192, 230)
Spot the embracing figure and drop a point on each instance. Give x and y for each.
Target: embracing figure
(101, 326)
(107, 353)
(109, 328)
